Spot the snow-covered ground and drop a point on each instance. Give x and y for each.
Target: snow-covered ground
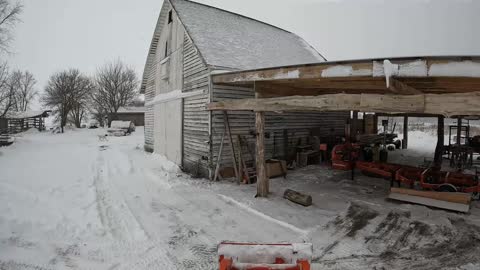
(73, 201)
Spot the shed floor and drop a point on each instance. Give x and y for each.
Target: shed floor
(353, 226)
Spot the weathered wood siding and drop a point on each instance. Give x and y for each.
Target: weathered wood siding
(149, 82)
(297, 124)
(196, 119)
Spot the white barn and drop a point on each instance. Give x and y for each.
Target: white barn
(191, 42)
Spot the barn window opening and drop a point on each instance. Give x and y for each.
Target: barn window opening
(170, 19)
(166, 49)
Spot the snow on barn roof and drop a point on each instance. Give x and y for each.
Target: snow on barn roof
(133, 109)
(230, 40)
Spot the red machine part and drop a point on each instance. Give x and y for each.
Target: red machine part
(228, 264)
(385, 170)
(449, 181)
(429, 179)
(344, 156)
(409, 175)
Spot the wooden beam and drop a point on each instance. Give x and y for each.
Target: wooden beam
(407, 67)
(438, 158)
(262, 178)
(405, 133)
(334, 102)
(401, 88)
(459, 130)
(446, 104)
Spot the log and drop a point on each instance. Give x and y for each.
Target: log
(297, 197)
(455, 197)
(437, 104)
(262, 177)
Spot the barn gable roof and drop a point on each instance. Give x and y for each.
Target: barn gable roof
(230, 40)
(227, 40)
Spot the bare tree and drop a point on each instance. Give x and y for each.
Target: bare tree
(9, 16)
(26, 92)
(80, 105)
(116, 86)
(63, 93)
(9, 84)
(98, 112)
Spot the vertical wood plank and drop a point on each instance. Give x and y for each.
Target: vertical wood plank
(229, 134)
(262, 179)
(459, 130)
(354, 126)
(440, 142)
(405, 133)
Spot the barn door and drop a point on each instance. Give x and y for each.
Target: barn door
(168, 130)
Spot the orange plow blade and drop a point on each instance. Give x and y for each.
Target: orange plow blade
(254, 256)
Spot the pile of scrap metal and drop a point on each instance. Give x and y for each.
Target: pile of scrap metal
(381, 138)
(6, 140)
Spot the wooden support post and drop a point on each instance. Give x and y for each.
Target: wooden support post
(405, 133)
(354, 126)
(375, 124)
(440, 143)
(262, 178)
(285, 145)
(459, 130)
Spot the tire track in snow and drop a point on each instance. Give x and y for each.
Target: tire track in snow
(114, 214)
(123, 224)
(262, 215)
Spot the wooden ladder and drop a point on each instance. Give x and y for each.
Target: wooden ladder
(247, 170)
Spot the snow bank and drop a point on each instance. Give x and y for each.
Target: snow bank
(165, 164)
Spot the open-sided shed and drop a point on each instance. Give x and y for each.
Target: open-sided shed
(420, 86)
(16, 122)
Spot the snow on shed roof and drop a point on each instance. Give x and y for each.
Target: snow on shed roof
(133, 109)
(230, 40)
(26, 114)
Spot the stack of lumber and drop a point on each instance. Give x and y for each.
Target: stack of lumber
(370, 138)
(454, 201)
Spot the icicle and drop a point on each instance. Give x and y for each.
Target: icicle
(389, 70)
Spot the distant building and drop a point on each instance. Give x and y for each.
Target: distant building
(16, 122)
(134, 114)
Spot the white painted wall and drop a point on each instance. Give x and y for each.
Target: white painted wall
(167, 130)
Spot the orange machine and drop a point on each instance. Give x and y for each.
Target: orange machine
(385, 170)
(449, 181)
(344, 156)
(253, 256)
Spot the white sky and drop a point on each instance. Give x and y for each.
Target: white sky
(84, 34)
